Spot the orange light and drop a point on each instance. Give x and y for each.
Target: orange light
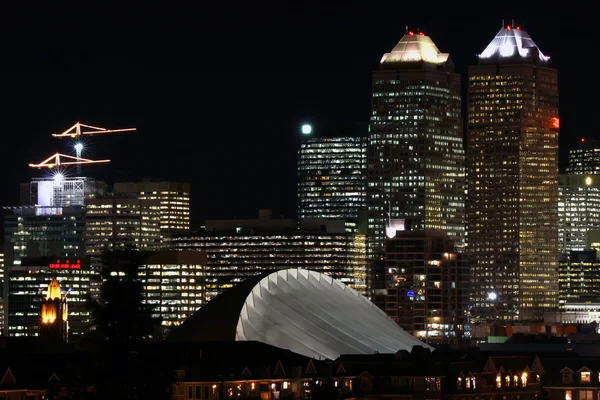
(508, 27)
(555, 122)
(411, 33)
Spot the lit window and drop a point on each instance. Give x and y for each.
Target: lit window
(586, 377)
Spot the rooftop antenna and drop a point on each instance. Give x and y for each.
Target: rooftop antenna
(502, 24)
(513, 22)
(406, 28)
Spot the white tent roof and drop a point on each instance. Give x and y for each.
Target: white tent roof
(314, 315)
(414, 48)
(511, 42)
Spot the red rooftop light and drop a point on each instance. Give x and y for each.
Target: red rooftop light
(421, 33)
(508, 27)
(583, 139)
(518, 28)
(410, 33)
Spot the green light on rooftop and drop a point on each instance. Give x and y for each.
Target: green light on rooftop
(306, 129)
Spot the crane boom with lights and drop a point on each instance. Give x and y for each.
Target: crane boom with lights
(76, 131)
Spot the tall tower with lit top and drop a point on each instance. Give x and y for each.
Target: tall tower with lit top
(512, 175)
(54, 315)
(415, 148)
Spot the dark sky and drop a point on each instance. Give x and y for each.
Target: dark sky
(218, 94)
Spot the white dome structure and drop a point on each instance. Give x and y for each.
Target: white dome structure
(304, 311)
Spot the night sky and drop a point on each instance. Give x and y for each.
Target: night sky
(218, 94)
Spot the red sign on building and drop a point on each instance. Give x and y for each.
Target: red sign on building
(65, 264)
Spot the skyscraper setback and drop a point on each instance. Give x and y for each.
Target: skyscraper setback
(415, 150)
(513, 179)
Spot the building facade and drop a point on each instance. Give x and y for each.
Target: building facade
(415, 150)
(238, 249)
(512, 204)
(585, 159)
(578, 277)
(578, 212)
(332, 178)
(427, 287)
(174, 199)
(115, 222)
(174, 285)
(27, 233)
(27, 285)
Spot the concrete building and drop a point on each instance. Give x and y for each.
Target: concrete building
(332, 179)
(174, 201)
(415, 152)
(238, 249)
(427, 287)
(512, 204)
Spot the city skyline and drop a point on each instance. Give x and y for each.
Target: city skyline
(103, 90)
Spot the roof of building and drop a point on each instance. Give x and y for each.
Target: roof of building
(304, 311)
(509, 44)
(415, 48)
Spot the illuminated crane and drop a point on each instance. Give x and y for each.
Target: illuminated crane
(56, 160)
(75, 131)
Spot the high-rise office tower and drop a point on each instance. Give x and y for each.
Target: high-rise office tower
(415, 150)
(114, 223)
(332, 178)
(585, 159)
(579, 279)
(174, 201)
(512, 218)
(427, 286)
(578, 212)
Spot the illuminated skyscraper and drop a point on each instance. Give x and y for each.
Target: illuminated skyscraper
(415, 150)
(174, 201)
(512, 203)
(427, 286)
(585, 159)
(578, 212)
(332, 174)
(114, 223)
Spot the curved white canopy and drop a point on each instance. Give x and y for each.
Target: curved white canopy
(314, 315)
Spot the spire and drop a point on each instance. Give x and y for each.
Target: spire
(415, 47)
(510, 43)
(53, 290)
